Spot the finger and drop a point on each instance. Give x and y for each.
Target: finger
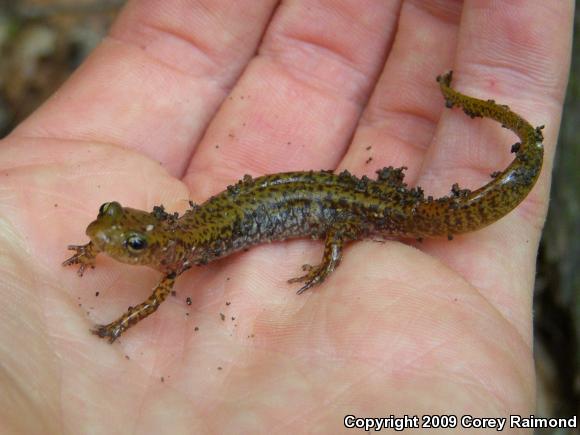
(399, 122)
(517, 54)
(298, 101)
(155, 82)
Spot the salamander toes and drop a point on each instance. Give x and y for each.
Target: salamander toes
(85, 256)
(112, 331)
(315, 275)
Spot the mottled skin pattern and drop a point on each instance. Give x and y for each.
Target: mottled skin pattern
(336, 207)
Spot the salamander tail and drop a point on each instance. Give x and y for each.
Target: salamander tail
(468, 210)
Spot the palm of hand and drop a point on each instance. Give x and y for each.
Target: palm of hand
(394, 330)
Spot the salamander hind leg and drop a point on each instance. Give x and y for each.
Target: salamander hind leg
(113, 330)
(330, 261)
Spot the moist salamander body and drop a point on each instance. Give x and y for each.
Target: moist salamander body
(319, 204)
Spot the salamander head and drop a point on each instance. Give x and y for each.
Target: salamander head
(128, 235)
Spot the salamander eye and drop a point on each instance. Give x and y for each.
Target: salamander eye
(136, 242)
(112, 208)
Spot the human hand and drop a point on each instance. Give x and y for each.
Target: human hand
(213, 91)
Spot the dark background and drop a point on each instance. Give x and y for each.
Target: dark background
(43, 41)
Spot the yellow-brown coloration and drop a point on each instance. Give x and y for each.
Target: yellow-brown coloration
(336, 207)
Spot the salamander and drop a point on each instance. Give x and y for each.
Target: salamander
(337, 208)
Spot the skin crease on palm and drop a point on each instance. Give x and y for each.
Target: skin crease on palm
(183, 98)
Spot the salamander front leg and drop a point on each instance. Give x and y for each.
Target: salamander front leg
(134, 314)
(85, 256)
(330, 261)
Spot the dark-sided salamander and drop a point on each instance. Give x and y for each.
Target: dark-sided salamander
(319, 204)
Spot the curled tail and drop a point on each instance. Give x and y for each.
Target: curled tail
(464, 210)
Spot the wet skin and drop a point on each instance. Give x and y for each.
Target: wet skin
(319, 204)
